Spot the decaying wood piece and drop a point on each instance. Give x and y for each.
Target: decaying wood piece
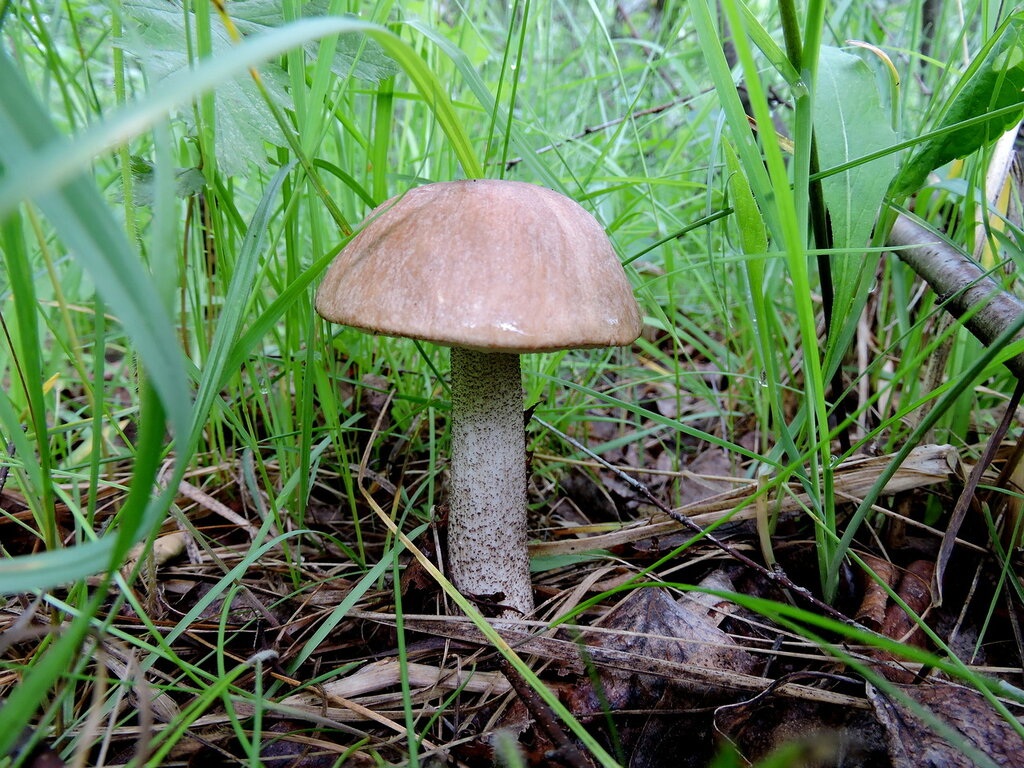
(926, 465)
(961, 283)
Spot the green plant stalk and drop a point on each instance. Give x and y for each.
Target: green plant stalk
(123, 152)
(472, 78)
(305, 114)
(500, 88)
(1006, 580)
(787, 62)
(306, 415)
(805, 161)
(755, 174)
(790, 217)
(295, 377)
(206, 105)
(56, 69)
(383, 113)
(27, 356)
(258, 701)
(754, 242)
(403, 660)
(96, 390)
(316, 120)
(523, 26)
(220, 660)
(793, 216)
(790, 19)
(73, 345)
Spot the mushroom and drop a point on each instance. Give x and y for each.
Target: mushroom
(491, 269)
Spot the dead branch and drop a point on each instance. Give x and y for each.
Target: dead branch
(960, 283)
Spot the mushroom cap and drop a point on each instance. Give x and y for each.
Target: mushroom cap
(483, 264)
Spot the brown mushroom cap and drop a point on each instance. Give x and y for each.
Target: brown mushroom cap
(483, 264)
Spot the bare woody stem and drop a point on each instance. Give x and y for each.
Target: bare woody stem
(961, 285)
(487, 501)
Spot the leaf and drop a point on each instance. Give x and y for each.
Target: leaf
(994, 81)
(355, 56)
(187, 182)
(159, 38)
(753, 236)
(850, 122)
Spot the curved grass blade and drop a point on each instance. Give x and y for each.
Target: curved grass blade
(58, 160)
(85, 224)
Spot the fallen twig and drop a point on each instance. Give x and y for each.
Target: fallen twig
(588, 130)
(545, 718)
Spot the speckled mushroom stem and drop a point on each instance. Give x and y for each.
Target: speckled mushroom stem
(487, 500)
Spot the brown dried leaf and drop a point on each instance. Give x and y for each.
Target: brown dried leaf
(913, 743)
(387, 673)
(653, 625)
(165, 549)
(915, 590)
(872, 607)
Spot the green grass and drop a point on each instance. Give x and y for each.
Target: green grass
(158, 322)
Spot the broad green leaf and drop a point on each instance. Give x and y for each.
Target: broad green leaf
(355, 56)
(157, 35)
(753, 236)
(994, 80)
(850, 122)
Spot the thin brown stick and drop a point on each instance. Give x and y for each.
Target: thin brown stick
(568, 752)
(514, 161)
(970, 487)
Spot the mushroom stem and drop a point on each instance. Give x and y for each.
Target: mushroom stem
(487, 500)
